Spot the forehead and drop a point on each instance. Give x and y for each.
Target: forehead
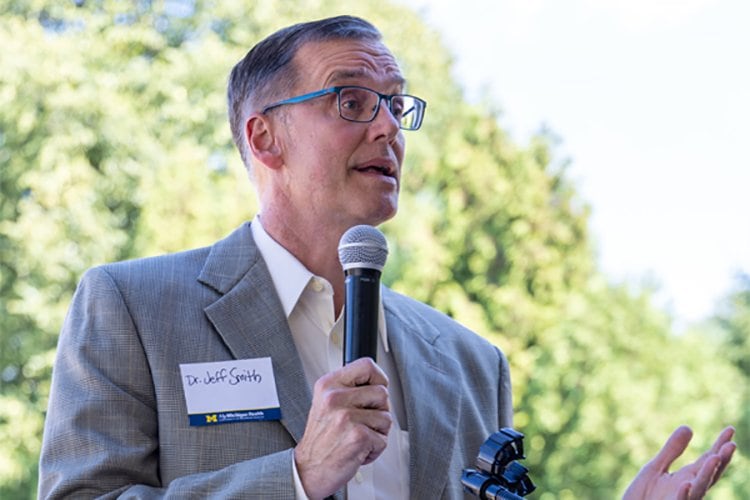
(342, 61)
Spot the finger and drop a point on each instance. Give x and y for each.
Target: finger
(378, 421)
(673, 448)
(704, 479)
(724, 437)
(683, 493)
(363, 371)
(725, 456)
(378, 447)
(371, 397)
(365, 396)
(726, 452)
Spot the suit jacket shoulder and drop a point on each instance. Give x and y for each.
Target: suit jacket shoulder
(117, 421)
(437, 328)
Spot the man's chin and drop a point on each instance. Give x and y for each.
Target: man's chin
(386, 214)
(375, 219)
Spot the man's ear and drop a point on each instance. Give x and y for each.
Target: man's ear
(262, 142)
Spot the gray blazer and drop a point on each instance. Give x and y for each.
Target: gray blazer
(117, 421)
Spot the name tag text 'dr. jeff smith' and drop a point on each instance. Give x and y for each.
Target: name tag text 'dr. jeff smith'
(224, 392)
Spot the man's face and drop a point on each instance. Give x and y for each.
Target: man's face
(342, 173)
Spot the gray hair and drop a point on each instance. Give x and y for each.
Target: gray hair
(265, 73)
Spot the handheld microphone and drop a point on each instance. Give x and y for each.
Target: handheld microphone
(362, 252)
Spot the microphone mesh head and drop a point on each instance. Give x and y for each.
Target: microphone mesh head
(363, 247)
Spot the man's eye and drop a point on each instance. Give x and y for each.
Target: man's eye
(351, 104)
(397, 106)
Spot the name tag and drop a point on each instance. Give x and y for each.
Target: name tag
(230, 391)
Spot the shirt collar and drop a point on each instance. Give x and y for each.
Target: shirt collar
(290, 277)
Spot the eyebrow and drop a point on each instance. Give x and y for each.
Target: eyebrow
(337, 76)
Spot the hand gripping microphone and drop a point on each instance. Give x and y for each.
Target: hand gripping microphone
(362, 252)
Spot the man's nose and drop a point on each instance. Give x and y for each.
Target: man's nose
(385, 118)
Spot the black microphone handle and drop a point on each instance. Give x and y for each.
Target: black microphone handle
(361, 318)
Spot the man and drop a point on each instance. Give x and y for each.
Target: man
(317, 112)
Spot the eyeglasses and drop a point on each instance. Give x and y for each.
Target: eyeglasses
(360, 104)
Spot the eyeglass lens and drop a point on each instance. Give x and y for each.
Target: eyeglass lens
(361, 105)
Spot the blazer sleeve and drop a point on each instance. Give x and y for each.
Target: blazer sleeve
(504, 392)
(101, 430)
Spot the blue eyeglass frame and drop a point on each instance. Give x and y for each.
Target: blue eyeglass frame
(337, 90)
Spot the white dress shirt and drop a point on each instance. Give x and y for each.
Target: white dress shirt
(307, 300)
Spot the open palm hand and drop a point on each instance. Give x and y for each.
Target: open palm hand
(654, 481)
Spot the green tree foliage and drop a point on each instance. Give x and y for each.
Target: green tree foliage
(733, 319)
(114, 145)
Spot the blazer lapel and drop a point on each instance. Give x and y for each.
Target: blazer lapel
(429, 380)
(250, 319)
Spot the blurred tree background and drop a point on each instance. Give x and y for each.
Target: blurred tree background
(114, 145)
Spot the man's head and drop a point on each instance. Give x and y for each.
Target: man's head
(267, 73)
(317, 111)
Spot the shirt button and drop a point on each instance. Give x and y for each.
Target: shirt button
(336, 339)
(317, 286)
(358, 477)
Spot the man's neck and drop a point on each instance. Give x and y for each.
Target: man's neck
(314, 245)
